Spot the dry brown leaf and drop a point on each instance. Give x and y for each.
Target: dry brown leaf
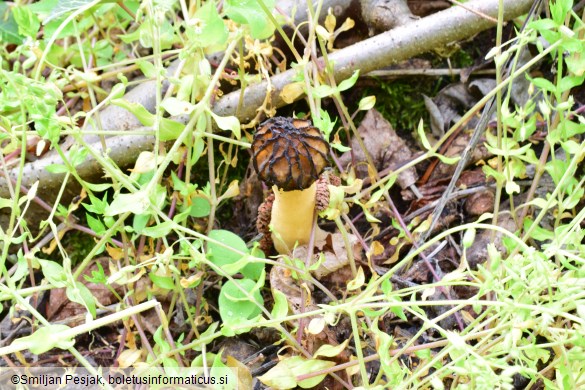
(385, 147)
(128, 357)
(480, 202)
(292, 91)
(452, 101)
(332, 248)
(334, 252)
(478, 253)
(245, 380)
(456, 149)
(472, 178)
(60, 307)
(281, 279)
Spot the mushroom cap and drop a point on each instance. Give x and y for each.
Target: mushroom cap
(289, 153)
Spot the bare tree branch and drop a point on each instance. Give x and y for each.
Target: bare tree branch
(385, 49)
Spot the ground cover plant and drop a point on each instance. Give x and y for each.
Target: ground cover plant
(319, 194)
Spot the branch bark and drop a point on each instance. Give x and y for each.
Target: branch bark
(390, 47)
(377, 52)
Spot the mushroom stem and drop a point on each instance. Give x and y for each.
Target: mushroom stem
(292, 218)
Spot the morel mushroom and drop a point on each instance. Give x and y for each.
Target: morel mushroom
(290, 155)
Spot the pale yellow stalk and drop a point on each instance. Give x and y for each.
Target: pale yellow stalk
(292, 218)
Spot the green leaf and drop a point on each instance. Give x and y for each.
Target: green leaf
(556, 169)
(423, 137)
(97, 187)
(208, 334)
(375, 197)
(198, 147)
(65, 6)
(284, 374)
(69, 30)
(565, 376)
(22, 267)
(539, 202)
(250, 12)
(136, 203)
(330, 350)
(543, 24)
(165, 282)
(174, 106)
(45, 339)
(97, 205)
(280, 308)
(170, 129)
(423, 354)
(313, 365)
(95, 224)
(543, 83)
(559, 10)
(159, 230)
(208, 26)
(180, 186)
(384, 342)
(141, 113)
(397, 310)
(139, 222)
(489, 171)
(56, 168)
(8, 26)
(367, 103)
(253, 269)
(97, 276)
(386, 287)
(322, 91)
(571, 129)
(80, 293)
(356, 282)
(340, 147)
(233, 268)
(200, 206)
(77, 155)
(447, 160)
(348, 83)
(235, 305)
(220, 255)
(538, 233)
(228, 123)
(576, 63)
(28, 22)
(281, 376)
(54, 273)
(573, 199)
(535, 353)
(568, 82)
(148, 69)
(160, 340)
(324, 123)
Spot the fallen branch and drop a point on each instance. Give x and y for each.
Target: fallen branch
(385, 49)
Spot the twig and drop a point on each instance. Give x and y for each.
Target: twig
(425, 72)
(493, 20)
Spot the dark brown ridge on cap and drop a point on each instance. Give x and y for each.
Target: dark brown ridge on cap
(289, 153)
